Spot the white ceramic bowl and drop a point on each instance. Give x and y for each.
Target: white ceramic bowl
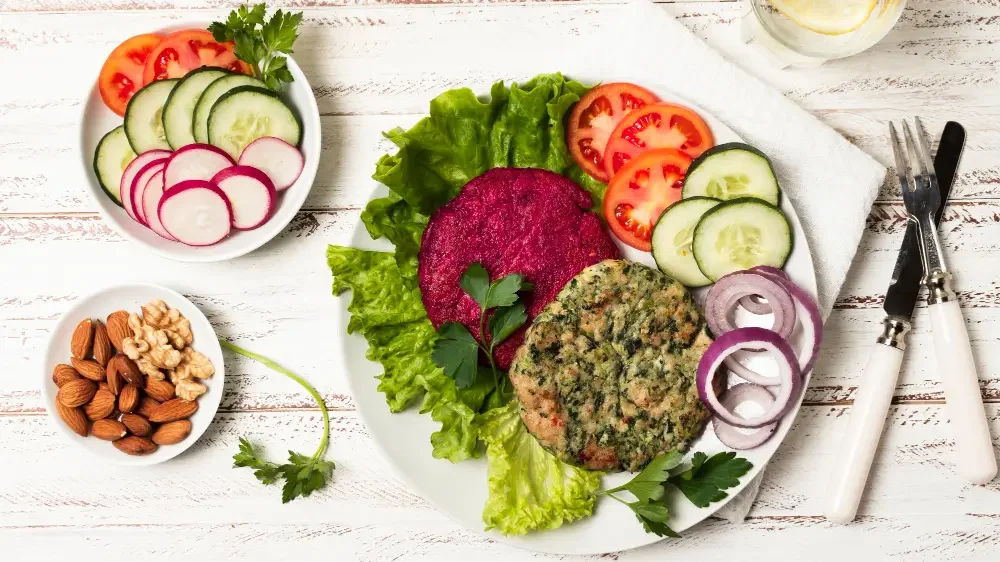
(131, 297)
(97, 120)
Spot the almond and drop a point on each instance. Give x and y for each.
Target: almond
(63, 373)
(109, 430)
(88, 369)
(118, 330)
(114, 378)
(159, 390)
(173, 410)
(146, 406)
(102, 345)
(82, 338)
(135, 445)
(100, 406)
(76, 392)
(103, 386)
(172, 433)
(129, 399)
(129, 370)
(137, 425)
(74, 418)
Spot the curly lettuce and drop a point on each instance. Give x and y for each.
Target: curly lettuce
(530, 489)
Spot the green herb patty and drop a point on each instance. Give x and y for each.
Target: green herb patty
(606, 375)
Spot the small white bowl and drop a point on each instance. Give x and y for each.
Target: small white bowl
(131, 297)
(97, 120)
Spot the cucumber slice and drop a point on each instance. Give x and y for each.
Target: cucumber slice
(672, 238)
(247, 113)
(178, 111)
(144, 116)
(730, 171)
(211, 95)
(112, 156)
(740, 234)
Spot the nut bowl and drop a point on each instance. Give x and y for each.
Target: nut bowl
(131, 298)
(96, 120)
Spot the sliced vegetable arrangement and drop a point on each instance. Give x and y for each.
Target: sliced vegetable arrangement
(205, 147)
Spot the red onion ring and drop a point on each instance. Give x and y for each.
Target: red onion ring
(729, 434)
(728, 290)
(754, 304)
(749, 338)
(805, 308)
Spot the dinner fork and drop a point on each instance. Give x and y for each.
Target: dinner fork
(975, 460)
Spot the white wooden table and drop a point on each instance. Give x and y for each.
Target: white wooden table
(373, 65)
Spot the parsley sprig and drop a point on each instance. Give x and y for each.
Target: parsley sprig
(302, 474)
(261, 42)
(702, 483)
(456, 350)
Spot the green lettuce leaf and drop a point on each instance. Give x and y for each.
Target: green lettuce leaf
(530, 489)
(386, 308)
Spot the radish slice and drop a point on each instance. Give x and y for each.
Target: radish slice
(133, 169)
(251, 195)
(282, 162)
(151, 196)
(749, 338)
(738, 438)
(138, 185)
(196, 213)
(195, 162)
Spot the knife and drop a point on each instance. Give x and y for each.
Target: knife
(874, 394)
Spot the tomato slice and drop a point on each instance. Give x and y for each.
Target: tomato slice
(595, 116)
(184, 51)
(640, 192)
(121, 75)
(660, 125)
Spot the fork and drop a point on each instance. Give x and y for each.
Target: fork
(975, 460)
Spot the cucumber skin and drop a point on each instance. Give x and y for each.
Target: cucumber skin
(259, 90)
(129, 106)
(198, 104)
(755, 200)
(652, 249)
(97, 172)
(724, 148)
(174, 91)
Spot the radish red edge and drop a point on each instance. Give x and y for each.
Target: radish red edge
(151, 196)
(139, 184)
(251, 195)
(195, 162)
(196, 213)
(133, 169)
(280, 161)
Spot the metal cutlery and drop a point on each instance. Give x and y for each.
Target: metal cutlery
(874, 395)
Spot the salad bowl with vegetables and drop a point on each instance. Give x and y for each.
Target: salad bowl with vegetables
(486, 321)
(201, 142)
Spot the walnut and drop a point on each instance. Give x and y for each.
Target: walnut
(194, 365)
(150, 345)
(157, 314)
(163, 355)
(189, 389)
(136, 344)
(149, 369)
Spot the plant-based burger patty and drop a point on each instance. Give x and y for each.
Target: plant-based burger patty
(606, 375)
(510, 220)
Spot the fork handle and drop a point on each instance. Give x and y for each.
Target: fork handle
(974, 460)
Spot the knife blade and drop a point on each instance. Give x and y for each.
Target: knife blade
(904, 286)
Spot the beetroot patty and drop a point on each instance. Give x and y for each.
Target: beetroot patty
(511, 220)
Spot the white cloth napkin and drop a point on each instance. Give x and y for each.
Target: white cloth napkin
(831, 182)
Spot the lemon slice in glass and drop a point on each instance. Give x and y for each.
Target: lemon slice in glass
(829, 17)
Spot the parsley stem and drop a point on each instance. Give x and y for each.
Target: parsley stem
(616, 498)
(305, 384)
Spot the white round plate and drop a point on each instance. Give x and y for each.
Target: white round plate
(131, 297)
(97, 120)
(459, 490)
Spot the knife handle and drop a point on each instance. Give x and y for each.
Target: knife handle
(857, 449)
(974, 459)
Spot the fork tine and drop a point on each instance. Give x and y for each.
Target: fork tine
(925, 149)
(902, 164)
(919, 153)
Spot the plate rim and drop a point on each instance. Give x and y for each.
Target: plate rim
(525, 541)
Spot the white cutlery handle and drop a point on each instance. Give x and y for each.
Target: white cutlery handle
(857, 449)
(974, 459)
